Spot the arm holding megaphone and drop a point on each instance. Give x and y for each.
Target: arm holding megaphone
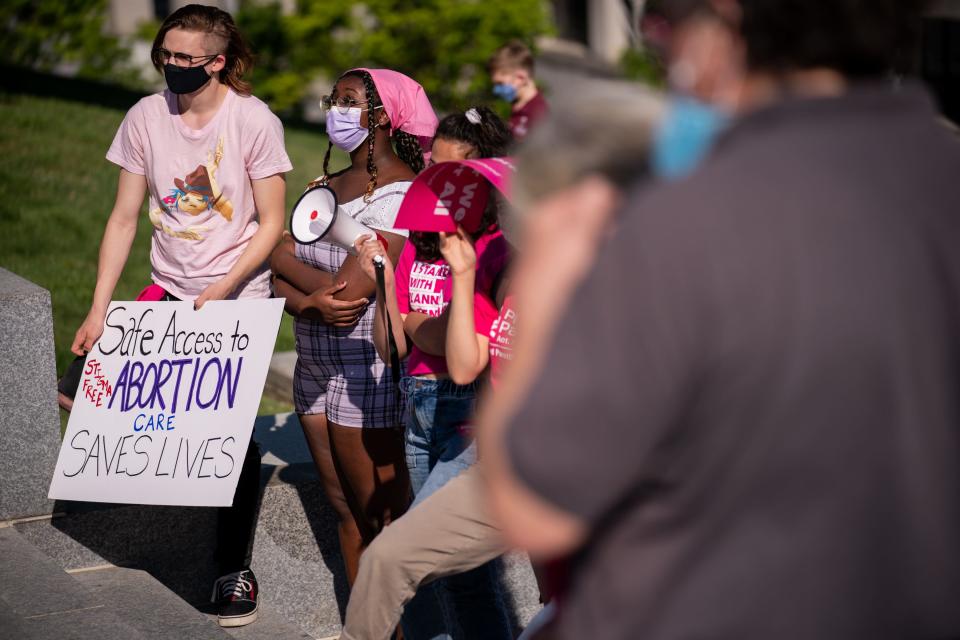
(310, 292)
(317, 215)
(369, 252)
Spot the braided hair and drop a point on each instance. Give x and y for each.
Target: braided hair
(488, 137)
(408, 146)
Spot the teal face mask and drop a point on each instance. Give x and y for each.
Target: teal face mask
(685, 137)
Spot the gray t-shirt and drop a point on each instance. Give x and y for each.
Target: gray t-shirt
(753, 400)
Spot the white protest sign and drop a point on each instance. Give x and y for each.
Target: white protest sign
(166, 403)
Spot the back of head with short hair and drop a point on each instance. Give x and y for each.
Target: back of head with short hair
(511, 56)
(855, 37)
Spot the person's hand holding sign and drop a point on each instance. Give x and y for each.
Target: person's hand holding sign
(219, 290)
(88, 333)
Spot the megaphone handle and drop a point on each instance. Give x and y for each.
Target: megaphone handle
(378, 266)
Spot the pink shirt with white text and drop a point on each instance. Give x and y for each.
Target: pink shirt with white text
(426, 287)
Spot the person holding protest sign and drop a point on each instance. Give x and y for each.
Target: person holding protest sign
(569, 175)
(438, 408)
(346, 397)
(212, 160)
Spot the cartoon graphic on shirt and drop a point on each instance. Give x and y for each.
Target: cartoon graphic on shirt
(197, 193)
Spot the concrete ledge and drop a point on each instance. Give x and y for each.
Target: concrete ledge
(29, 422)
(296, 553)
(280, 376)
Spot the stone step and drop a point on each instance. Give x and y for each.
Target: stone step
(38, 601)
(296, 554)
(269, 624)
(148, 606)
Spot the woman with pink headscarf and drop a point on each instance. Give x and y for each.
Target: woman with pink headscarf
(346, 397)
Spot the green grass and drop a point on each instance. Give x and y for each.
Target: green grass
(56, 192)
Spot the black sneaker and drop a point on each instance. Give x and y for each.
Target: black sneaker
(236, 597)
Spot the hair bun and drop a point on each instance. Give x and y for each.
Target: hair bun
(473, 116)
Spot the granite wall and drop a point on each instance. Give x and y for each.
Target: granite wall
(29, 419)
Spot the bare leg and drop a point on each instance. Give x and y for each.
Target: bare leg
(315, 430)
(372, 469)
(365, 478)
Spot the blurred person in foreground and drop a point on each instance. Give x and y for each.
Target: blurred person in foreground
(748, 425)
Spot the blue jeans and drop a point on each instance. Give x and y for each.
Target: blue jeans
(438, 449)
(436, 411)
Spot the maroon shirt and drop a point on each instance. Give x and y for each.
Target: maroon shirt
(526, 117)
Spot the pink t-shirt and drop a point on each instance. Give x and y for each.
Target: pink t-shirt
(500, 326)
(199, 182)
(426, 287)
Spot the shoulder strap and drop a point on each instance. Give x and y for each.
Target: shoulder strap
(394, 353)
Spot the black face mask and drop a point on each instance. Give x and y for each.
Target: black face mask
(185, 79)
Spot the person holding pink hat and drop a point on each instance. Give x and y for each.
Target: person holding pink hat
(345, 396)
(439, 407)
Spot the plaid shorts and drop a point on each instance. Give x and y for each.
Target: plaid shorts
(338, 370)
(339, 373)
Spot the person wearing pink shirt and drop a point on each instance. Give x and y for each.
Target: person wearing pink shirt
(438, 407)
(210, 158)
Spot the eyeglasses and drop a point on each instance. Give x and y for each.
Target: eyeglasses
(184, 59)
(343, 104)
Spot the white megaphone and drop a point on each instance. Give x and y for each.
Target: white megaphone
(317, 215)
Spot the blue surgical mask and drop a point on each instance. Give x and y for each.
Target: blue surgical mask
(344, 129)
(505, 92)
(685, 136)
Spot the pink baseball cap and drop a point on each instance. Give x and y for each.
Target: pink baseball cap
(452, 193)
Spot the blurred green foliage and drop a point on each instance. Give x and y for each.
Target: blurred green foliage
(42, 34)
(643, 65)
(443, 44)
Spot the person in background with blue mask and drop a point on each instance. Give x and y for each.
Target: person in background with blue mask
(345, 395)
(511, 71)
(703, 76)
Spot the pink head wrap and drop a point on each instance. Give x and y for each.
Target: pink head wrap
(406, 104)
